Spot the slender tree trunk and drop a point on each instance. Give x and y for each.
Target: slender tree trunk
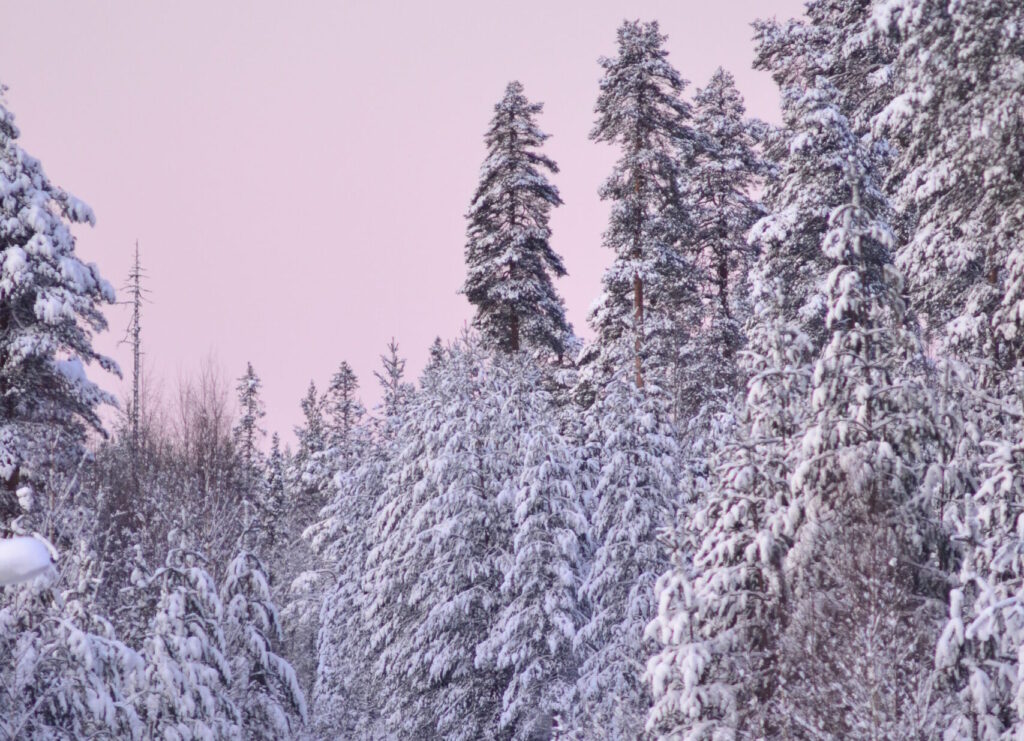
(638, 284)
(514, 332)
(638, 322)
(514, 323)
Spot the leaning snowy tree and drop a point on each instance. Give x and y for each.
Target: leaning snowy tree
(648, 293)
(509, 259)
(188, 676)
(50, 307)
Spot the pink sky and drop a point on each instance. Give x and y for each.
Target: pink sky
(297, 173)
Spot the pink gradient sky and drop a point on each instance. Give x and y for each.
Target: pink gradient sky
(297, 173)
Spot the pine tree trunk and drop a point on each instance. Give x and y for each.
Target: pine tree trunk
(638, 287)
(638, 317)
(514, 332)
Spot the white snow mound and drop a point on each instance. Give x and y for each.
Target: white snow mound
(22, 558)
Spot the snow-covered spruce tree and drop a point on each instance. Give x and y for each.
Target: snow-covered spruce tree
(396, 391)
(632, 502)
(324, 478)
(344, 416)
(188, 677)
(302, 580)
(344, 694)
(333, 438)
(264, 686)
(443, 542)
(248, 433)
(272, 504)
(388, 572)
(532, 637)
(64, 673)
(309, 472)
(719, 185)
(648, 295)
(956, 120)
(509, 259)
(457, 535)
(50, 306)
(312, 434)
(306, 476)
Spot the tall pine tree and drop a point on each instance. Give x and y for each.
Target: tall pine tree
(719, 187)
(509, 259)
(648, 292)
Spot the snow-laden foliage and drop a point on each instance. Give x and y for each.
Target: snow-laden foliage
(64, 673)
(837, 40)
(543, 539)
(861, 603)
(532, 637)
(632, 502)
(50, 307)
(343, 692)
(263, 684)
(804, 610)
(955, 115)
(455, 536)
(187, 675)
(980, 647)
